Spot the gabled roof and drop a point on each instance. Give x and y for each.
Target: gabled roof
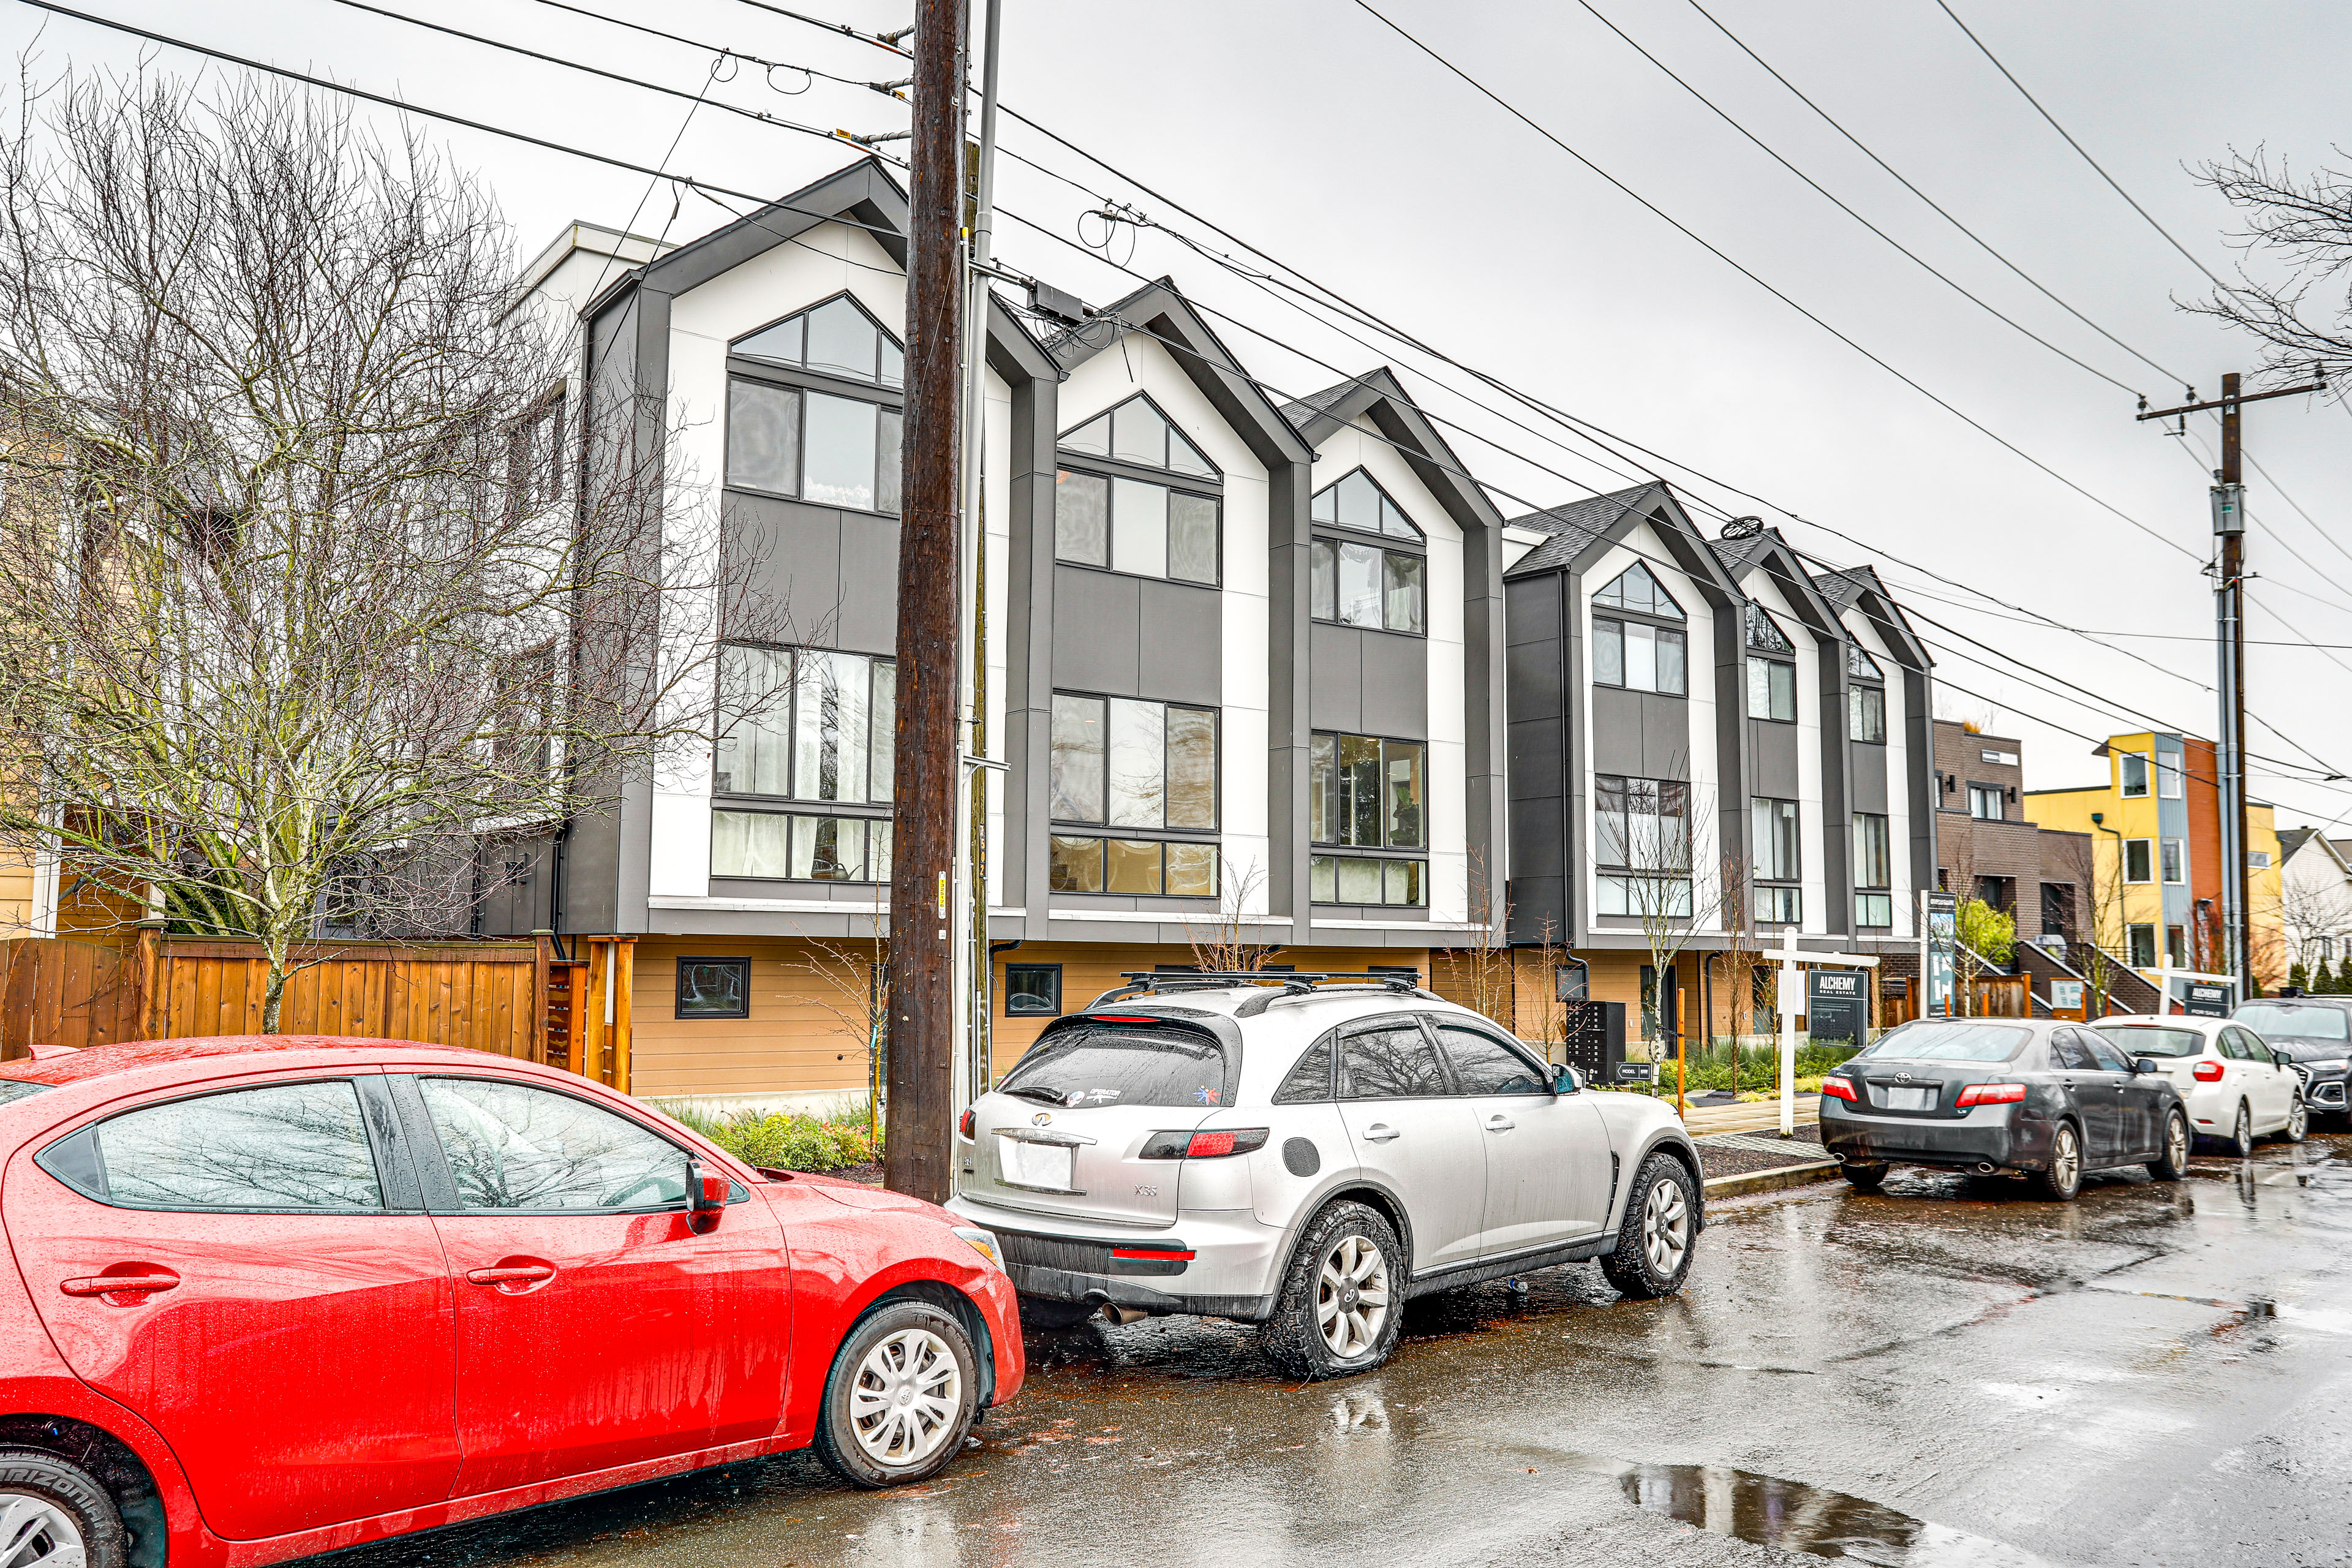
(1160, 311)
(1769, 554)
(1861, 588)
(1581, 530)
(1377, 396)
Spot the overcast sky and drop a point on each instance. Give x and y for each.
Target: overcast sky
(1311, 130)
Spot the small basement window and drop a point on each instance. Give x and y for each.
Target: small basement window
(714, 988)
(1032, 990)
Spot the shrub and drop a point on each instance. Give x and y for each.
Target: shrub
(786, 1140)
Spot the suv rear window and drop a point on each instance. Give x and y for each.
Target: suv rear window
(1941, 1041)
(2267, 1019)
(2154, 1040)
(1090, 1064)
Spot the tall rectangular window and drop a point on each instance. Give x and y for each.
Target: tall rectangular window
(1136, 527)
(2133, 767)
(1873, 867)
(2137, 860)
(1118, 762)
(2169, 781)
(833, 451)
(1776, 844)
(805, 725)
(1772, 690)
(2176, 860)
(1865, 714)
(2142, 940)
(1364, 585)
(1637, 656)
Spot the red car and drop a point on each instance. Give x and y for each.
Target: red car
(275, 1296)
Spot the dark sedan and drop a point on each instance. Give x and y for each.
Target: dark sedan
(2316, 1032)
(2001, 1096)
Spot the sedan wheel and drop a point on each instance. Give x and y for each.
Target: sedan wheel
(56, 1515)
(2173, 1163)
(1340, 1309)
(2241, 1133)
(2298, 1121)
(2063, 1179)
(901, 1399)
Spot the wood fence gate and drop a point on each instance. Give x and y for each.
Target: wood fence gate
(512, 998)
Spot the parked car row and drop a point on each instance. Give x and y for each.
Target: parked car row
(279, 1296)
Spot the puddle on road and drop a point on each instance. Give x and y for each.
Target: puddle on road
(1795, 1516)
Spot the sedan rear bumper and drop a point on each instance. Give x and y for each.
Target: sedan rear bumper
(1988, 1135)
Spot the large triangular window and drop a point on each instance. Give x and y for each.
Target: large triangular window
(1359, 502)
(1137, 432)
(1639, 591)
(1764, 634)
(836, 338)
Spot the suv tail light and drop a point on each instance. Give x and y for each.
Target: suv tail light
(2207, 1071)
(1990, 1094)
(1838, 1089)
(965, 1123)
(1212, 1145)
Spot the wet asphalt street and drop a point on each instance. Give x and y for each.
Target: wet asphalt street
(1949, 1373)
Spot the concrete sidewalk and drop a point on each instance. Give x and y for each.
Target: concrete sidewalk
(1763, 1116)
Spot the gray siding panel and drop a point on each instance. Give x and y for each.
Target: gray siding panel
(1772, 749)
(1868, 768)
(1181, 643)
(1533, 672)
(868, 618)
(1396, 686)
(1098, 619)
(1335, 699)
(1640, 734)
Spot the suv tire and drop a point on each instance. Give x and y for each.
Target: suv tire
(903, 1392)
(1653, 1243)
(1341, 1306)
(73, 1501)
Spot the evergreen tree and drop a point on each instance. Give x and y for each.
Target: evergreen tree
(2298, 977)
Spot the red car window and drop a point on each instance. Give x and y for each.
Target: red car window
(511, 1146)
(283, 1146)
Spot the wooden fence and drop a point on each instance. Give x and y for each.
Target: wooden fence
(515, 999)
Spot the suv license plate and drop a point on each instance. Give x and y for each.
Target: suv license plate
(1022, 1162)
(1910, 1099)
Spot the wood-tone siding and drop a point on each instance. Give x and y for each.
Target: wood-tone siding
(803, 1036)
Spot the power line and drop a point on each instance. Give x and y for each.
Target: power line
(1824, 192)
(2078, 147)
(1694, 237)
(1935, 206)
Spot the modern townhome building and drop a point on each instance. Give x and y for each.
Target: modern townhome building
(2155, 824)
(1244, 661)
(1986, 848)
(1703, 729)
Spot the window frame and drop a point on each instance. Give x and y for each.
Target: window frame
(1420, 851)
(1332, 542)
(734, 345)
(2000, 797)
(740, 963)
(1210, 488)
(389, 1159)
(2123, 761)
(2172, 861)
(871, 817)
(1137, 830)
(2131, 944)
(1770, 663)
(441, 1190)
(2147, 848)
(1416, 540)
(791, 732)
(802, 384)
(1617, 621)
(1013, 1012)
(1859, 706)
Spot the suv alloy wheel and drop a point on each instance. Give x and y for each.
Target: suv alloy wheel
(1653, 1245)
(1341, 1308)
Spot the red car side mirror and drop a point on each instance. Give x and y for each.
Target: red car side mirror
(706, 1196)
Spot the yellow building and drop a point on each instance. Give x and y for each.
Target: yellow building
(2156, 830)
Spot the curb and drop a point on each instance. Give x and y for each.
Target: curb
(1770, 1181)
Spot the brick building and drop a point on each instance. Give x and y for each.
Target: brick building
(1988, 848)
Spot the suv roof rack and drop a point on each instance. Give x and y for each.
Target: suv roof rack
(1275, 984)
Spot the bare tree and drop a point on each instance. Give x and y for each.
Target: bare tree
(1743, 958)
(853, 976)
(1482, 974)
(1218, 946)
(1669, 883)
(2301, 228)
(316, 571)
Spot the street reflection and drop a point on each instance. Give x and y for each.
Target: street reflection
(1794, 1517)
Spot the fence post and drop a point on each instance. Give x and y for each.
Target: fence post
(544, 943)
(623, 1032)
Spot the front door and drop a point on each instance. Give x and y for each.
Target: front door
(283, 1327)
(1409, 1129)
(1546, 1154)
(595, 1328)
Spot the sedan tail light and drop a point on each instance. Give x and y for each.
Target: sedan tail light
(1212, 1145)
(2207, 1071)
(1838, 1089)
(1991, 1094)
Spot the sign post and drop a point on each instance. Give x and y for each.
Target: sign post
(1939, 934)
(1791, 1000)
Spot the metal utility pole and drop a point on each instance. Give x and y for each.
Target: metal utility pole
(2229, 495)
(917, 1146)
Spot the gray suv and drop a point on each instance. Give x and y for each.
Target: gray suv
(1307, 1153)
(2316, 1032)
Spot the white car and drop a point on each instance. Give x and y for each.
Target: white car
(2237, 1088)
(1307, 1156)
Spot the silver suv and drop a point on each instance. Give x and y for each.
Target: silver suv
(1309, 1156)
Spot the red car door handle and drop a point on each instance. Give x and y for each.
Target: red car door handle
(109, 1284)
(515, 1274)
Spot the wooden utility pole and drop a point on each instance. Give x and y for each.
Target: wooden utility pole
(2229, 495)
(915, 1158)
